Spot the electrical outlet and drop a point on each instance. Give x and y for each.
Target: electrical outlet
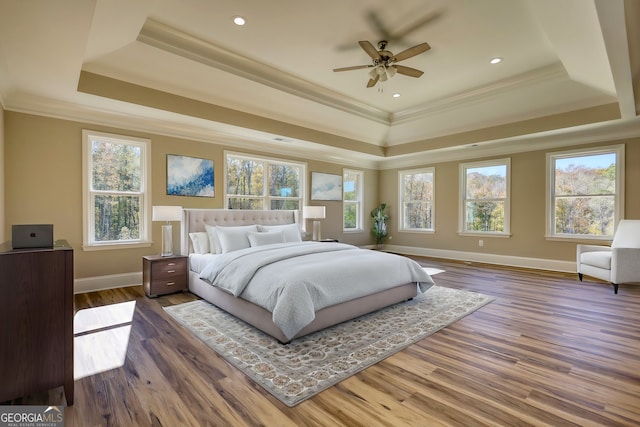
(480, 242)
(390, 237)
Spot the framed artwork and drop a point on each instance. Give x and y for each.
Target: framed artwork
(189, 176)
(325, 186)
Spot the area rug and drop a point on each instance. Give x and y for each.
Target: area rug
(311, 364)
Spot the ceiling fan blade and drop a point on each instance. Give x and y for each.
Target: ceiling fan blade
(412, 51)
(376, 23)
(371, 51)
(420, 23)
(355, 67)
(372, 82)
(408, 71)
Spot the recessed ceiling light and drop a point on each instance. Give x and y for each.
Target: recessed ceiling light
(239, 20)
(396, 95)
(496, 60)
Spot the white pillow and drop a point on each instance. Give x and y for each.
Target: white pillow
(291, 231)
(200, 242)
(257, 238)
(214, 241)
(234, 238)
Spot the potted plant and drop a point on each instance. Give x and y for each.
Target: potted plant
(379, 223)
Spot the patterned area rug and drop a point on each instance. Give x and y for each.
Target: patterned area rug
(310, 364)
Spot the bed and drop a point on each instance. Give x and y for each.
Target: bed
(232, 276)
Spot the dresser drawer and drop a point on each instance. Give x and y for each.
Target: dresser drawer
(168, 268)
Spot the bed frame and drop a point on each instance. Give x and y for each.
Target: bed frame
(194, 220)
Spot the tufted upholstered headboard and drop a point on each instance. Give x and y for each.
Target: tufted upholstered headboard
(193, 220)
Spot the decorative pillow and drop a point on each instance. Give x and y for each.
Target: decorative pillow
(257, 238)
(214, 241)
(234, 238)
(291, 231)
(200, 242)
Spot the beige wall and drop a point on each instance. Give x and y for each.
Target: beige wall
(44, 185)
(527, 208)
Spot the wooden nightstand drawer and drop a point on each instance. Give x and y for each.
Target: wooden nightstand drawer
(168, 285)
(164, 275)
(168, 268)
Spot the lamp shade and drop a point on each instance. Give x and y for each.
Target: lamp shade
(166, 213)
(313, 212)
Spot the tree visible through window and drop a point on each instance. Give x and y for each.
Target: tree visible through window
(485, 194)
(116, 186)
(585, 196)
(352, 183)
(416, 199)
(263, 184)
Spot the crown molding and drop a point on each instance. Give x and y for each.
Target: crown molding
(552, 72)
(177, 42)
(185, 127)
(613, 130)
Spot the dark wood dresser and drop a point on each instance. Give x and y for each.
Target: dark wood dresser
(36, 320)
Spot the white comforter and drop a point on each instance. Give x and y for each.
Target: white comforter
(294, 280)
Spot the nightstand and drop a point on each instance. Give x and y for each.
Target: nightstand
(164, 274)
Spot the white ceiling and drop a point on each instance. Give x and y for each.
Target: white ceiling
(569, 59)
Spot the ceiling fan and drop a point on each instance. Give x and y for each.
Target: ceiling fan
(384, 63)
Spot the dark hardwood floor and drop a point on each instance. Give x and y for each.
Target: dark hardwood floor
(550, 351)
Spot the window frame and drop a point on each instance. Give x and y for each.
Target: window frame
(462, 212)
(401, 216)
(88, 194)
(359, 202)
(550, 233)
(266, 197)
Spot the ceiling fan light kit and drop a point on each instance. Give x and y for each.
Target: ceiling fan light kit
(384, 62)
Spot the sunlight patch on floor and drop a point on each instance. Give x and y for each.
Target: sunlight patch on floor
(101, 338)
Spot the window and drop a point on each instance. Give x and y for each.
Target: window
(485, 192)
(352, 184)
(585, 195)
(116, 194)
(417, 199)
(261, 183)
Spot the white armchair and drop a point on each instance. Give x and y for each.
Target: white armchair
(617, 264)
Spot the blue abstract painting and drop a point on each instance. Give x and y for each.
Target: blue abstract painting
(189, 176)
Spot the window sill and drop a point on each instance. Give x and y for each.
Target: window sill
(112, 246)
(580, 239)
(485, 234)
(417, 230)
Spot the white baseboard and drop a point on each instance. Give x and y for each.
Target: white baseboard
(99, 283)
(511, 261)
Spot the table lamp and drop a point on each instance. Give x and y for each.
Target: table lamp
(167, 213)
(315, 213)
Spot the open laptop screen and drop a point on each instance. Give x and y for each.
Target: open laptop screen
(25, 236)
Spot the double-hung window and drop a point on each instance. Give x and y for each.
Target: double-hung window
(585, 196)
(116, 196)
(417, 188)
(262, 183)
(485, 197)
(352, 184)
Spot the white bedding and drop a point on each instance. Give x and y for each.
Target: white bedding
(197, 262)
(294, 280)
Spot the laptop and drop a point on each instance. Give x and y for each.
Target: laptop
(25, 236)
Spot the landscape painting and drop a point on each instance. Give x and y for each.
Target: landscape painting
(326, 186)
(189, 176)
